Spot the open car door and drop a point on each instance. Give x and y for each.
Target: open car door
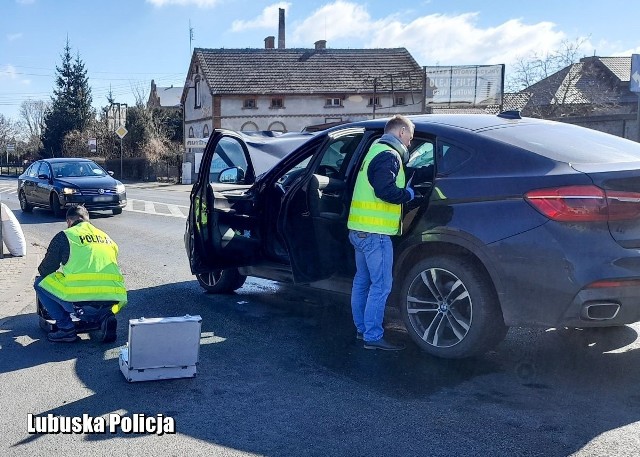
(222, 224)
(313, 217)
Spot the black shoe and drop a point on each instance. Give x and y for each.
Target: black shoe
(359, 336)
(63, 336)
(383, 345)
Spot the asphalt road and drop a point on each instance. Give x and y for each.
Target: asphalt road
(281, 373)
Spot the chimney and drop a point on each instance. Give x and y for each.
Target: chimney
(269, 42)
(281, 29)
(321, 44)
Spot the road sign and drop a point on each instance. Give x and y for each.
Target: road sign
(11, 147)
(634, 82)
(121, 132)
(93, 145)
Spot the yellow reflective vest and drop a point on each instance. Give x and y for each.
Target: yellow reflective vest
(368, 213)
(92, 272)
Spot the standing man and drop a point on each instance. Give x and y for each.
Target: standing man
(87, 259)
(375, 215)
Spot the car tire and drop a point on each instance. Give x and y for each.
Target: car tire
(221, 281)
(450, 308)
(24, 204)
(116, 211)
(54, 205)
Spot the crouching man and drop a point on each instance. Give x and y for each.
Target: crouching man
(81, 265)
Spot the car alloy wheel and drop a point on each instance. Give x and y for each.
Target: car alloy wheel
(221, 281)
(24, 204)
(450, 309)
(439, 307)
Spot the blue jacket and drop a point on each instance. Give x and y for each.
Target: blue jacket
(383, 170)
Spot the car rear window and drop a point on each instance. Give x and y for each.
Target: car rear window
(568, 143)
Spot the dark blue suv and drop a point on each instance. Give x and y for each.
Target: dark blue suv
(518, 222)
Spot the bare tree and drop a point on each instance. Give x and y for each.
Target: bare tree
(560, 83)
(32, 113)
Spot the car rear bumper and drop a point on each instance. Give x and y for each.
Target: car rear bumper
(548, 275)
(603, 307)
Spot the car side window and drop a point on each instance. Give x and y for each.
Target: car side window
(336, 155)
(32, 172)
(228, 154)
(451, 157)
(421, 154)
(44, 170)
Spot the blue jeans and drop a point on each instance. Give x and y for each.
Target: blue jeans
(58, 309)
(372, 282)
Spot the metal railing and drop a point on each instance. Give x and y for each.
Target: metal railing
(12, 169)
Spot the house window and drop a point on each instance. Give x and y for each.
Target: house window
(399, 101)
(205, 131)
(374, 101)
(249, 103)
(333, 102)
(198, 102)
(277, 103)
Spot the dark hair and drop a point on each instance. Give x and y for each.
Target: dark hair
(78, 212)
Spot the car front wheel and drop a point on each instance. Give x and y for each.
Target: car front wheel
(450, 309)
(221, 281)
(24, 204)
(54, 204)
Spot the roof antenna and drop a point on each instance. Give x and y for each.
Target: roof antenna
(190, 37)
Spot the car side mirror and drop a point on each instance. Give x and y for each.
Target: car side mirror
(233, 175)
(110, 173)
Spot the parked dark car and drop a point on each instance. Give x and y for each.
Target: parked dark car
(524, 222)
(59, 183)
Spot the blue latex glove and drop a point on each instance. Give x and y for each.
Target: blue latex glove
(409, 189)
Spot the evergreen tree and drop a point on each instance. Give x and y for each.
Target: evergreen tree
(70, 105)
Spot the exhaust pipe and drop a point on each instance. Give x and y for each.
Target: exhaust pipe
(600, 311)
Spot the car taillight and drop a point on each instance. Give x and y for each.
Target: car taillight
(584, 203)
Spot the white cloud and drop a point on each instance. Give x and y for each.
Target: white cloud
(14, 36)
(334, 21)
(198, 3)
(268, 19)
(434, 39)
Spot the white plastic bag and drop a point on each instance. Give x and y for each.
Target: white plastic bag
(12, 234)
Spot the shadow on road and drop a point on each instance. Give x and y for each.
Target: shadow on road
(286, 371)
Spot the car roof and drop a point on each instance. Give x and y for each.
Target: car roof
(66, 159)
(471, 122)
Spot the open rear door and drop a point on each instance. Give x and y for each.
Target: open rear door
(313, 219)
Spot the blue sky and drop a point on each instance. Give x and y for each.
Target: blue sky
(126, 43)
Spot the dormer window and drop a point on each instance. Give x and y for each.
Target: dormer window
(333, 102)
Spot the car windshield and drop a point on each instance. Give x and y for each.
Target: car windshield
(76, 169)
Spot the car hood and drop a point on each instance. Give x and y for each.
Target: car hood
(88, 182)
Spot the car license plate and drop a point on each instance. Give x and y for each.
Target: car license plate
(103, 198)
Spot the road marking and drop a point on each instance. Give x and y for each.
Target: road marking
(149, 207)
(8, 190)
